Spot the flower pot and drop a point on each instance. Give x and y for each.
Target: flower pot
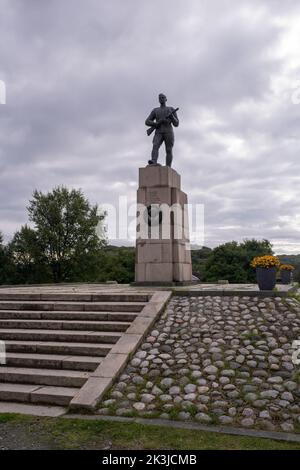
(266, 278)
(285, 276)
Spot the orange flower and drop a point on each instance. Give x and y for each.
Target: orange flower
(265, 262)
(286, 267)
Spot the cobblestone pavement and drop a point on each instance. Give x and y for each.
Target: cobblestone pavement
(216, 360)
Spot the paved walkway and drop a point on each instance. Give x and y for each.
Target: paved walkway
(232, 287)
(95, 288)
(216, 360)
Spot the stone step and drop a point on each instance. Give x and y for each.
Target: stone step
(65, 325)
(56, 339)
(52, 361)
(16, 392)
(75, 297)
(30, 393)
(67, 315)
(73, 306)
(59, 335)
(52, 411)
(52, 347)
(60, 378)
(53, 395)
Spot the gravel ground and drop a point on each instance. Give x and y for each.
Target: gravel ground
(221, 360)
(20, 437)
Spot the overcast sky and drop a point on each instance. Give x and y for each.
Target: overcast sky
(82, 76)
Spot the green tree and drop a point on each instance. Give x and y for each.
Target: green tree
(116, 264)
(226, 261)
(66, 228)
(199, 258)
(231, 261)
(252, 249)
(30, 264)
(6, 266)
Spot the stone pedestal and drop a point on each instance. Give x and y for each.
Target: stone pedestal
(162, 245)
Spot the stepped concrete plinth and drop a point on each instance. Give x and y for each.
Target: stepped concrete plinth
(163, 254)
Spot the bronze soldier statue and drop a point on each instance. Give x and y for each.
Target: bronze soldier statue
(162, 120)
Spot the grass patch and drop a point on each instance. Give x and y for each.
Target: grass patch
(192, 409)
(173, 413)
(296, 376)
(252, 337)
(6, 418)
(293, 295)
(87, 434)
(192, 380)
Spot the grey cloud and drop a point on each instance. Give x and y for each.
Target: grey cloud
(82, 76)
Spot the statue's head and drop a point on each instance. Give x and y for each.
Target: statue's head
(162, 98)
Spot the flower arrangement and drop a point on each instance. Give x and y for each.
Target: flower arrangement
(286, 267)
(267, 261)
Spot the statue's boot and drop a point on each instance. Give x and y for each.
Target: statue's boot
(152, 162)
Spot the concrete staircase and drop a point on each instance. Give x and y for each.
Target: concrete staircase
(54, 341)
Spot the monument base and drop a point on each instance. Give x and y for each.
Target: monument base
(162, 260)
